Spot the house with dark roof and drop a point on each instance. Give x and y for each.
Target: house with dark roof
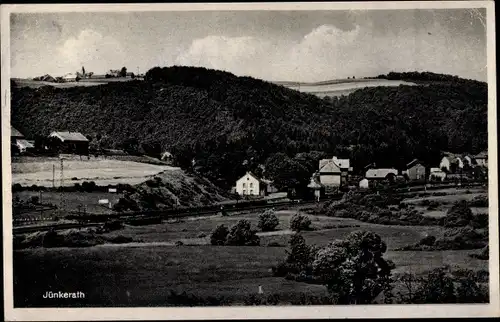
(15, 135)
(70, 142)
(482, 159)
(415, 170)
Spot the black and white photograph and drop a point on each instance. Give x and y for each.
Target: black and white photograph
(328, 159)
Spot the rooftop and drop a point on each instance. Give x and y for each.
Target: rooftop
(70, 136)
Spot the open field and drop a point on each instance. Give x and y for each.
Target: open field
(84, 82)
(340, 87)
(445, 202)
(102, 172)
(73, 200)
(144, 272)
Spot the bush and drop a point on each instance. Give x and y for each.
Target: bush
(300, 222)
(241, 234)
(219, 235)
(268, 220)
(89, 186)
(113, 225)
(354, 269)
(444, 286)
(479, 201)
(428, 240)
(459, 215)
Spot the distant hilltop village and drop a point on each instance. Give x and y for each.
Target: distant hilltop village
(89, 76)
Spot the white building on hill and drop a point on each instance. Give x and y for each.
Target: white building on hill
(250, 185)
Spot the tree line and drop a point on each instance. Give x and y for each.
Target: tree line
(223, 125)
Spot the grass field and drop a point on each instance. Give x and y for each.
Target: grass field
(144, 274)
(341, 87)
(102, 172)
(74, 199)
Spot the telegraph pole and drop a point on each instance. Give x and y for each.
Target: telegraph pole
(61, 206)
(53, 175)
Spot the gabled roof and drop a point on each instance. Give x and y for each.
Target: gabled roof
(330, 167)
(452, 157)
(25, 144)
(15, 133)
(380, 173)
(412, 163)
(369, 166)
(482, 155)
(69, 136)
(263, 181)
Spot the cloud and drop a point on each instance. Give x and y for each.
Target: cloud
(91, 49)
(328, 52)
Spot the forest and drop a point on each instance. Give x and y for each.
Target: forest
(229, 125)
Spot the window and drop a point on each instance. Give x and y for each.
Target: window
(251, 184)
(244, 192)
(244, 185)
(251, 191)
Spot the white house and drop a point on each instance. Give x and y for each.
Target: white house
(330, 174)
(364, 184)
(448, 160)
(250, 185)
(377, 174)
(167, 157)
(437, 174)
(333, 173)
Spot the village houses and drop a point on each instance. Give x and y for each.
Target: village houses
(71, 142)
(482, 159)
(415, 170)
(333, 173)
(451, 162)
(19, 143)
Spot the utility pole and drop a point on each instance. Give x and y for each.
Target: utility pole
(53, 175)
(61, 206)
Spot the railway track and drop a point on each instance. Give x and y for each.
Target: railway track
(93, 220)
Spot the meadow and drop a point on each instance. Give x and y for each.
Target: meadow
(144, 273)
(38, 171)
(342, 87)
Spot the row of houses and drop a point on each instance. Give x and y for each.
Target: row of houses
(335, 172)
(67, 142)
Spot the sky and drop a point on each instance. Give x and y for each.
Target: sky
(302, 46)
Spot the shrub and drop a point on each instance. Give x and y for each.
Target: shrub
(300, 222)
(354, 269)
(241, 234)
(112, 225)
(268, 220)
(428, 240)
(479, 201)
(458, 215)
(89, 186)
(444, 286)
(219, 235)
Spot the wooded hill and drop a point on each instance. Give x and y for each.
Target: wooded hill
(232, 124)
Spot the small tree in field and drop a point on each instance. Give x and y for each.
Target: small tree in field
(300, 222)
(241, 234)
(268, 220)
(353, 269)
(219, 235)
